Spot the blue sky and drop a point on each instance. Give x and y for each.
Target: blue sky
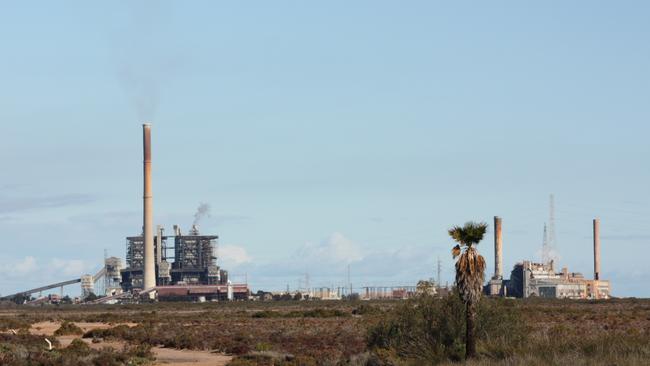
(325, 134)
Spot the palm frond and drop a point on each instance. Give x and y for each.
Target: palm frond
(469, 234)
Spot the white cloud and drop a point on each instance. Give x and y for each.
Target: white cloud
(26, 265)
(29, 272)
(69, 267)
(233, 255)
(334, 249)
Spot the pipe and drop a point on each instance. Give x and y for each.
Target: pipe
(159, 235)
(596, 249)
(149, 257)
(498, 249)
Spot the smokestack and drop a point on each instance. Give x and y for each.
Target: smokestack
(596, 249)
(149, 258)
(498, 249)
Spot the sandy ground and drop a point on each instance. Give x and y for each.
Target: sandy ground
(170, 356)
(164, 356)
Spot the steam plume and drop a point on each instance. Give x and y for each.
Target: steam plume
(202, 211)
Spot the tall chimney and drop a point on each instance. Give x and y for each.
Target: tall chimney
(149, 257)
(498, 249)
(596, 249)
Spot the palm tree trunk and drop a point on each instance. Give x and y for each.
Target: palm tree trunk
(470, 340)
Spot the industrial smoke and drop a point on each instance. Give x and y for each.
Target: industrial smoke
(202, 211)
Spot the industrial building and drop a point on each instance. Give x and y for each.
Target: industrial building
(185, 270)
(190, 260)
(529, 279)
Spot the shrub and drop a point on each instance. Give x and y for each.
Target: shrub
(432, 330)
(314, 313)
(13, 323)
(365, 309)
(68, 328)
(266, 314)
(78, 347)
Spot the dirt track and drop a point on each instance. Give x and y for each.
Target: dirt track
(164, 356)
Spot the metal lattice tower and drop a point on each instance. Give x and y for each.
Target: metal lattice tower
(438, 279)
(551, 223)
(106, 279)
(545, 249)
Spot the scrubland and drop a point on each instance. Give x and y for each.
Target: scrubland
(422, 331)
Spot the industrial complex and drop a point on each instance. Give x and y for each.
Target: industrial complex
(529, 279)
(158, 266)
(184, 270)
(181, 266)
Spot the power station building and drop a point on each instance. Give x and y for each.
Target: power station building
(530, 279)
(190, 260)
(177, 266)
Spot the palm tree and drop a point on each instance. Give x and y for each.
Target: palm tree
(470, 273)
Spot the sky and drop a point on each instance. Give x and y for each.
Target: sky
(325, 135)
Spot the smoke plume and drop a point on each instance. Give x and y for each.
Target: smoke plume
(202, 211)
(141, 89)
(144, 60)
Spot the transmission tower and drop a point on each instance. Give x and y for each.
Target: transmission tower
(551, 223)
(545, 250)
(107, 282)
(438, 279)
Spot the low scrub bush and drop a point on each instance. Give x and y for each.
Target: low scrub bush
(7, 323)
(313, 313)
(365, 309)
(432, 330)
(68, 328)
(31, 350)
